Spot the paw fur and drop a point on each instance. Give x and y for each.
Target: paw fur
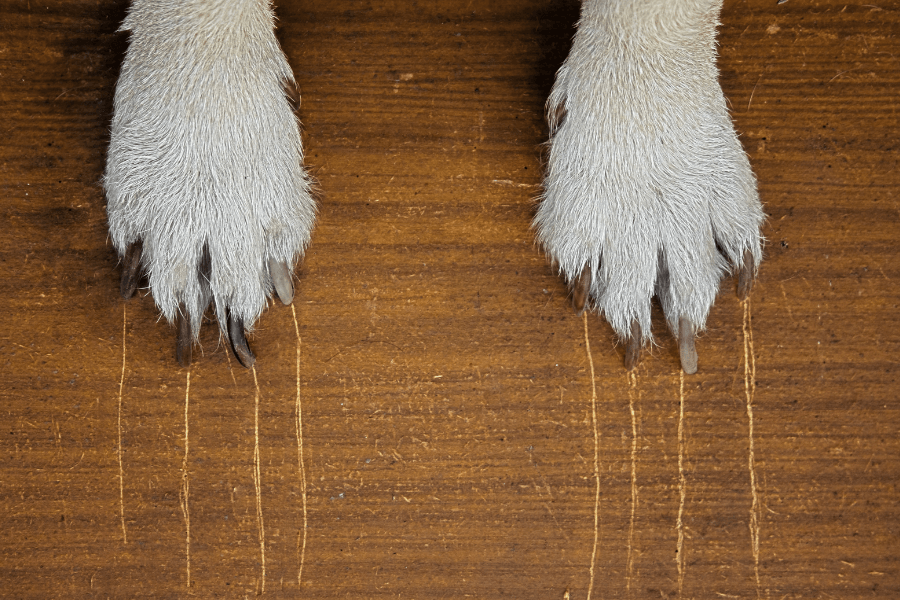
(204, 169)
(647, 189)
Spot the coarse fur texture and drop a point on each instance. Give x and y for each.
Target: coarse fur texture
(205, 160)
(647, 189)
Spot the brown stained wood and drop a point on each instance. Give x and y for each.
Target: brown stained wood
(447, 437)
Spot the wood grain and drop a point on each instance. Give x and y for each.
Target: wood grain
(448, 430)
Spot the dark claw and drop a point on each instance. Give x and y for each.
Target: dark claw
(633, 347)
(238, 341)
(184, 340)
(686, 348)
(556, 119)
(581, 290)
(131, 273)
(281, 279)
(745, 276)
(292, 93)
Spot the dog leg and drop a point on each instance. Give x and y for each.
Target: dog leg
(647, 189)
(204, 180)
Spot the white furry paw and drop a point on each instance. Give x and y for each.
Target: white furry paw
(647, 190)
(204, 179)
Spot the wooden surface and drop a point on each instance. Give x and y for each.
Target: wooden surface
(449, 442)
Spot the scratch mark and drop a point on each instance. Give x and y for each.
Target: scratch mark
(786, 302)
(256, 484)
(682, 485)
(510, 182)
(753, 91)
(842, 73)
(185, 483)
(749, 390)
(119, 427)
(301, 536)
(629, 571)
(587, 346)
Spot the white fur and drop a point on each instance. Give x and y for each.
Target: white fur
(206, 149)
(645, 172)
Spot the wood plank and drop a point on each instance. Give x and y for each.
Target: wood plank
(445, 384)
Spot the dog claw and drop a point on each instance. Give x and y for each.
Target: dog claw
(281, 279)
(184, 340)
(131, 273)
(581, 289)
(745, 276)
(686, 349)
(292, 93)
(633, 347)
(556, 117)
(238, 341)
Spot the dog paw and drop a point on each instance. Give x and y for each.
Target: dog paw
(206, 192)
(647, 190)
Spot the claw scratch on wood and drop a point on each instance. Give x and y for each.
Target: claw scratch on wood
(119, 427)
(257, 485)
(749, 390)
(629, 571)
(682, 486)
(185, 483)
(301, 537)
(753, 91)
(587, 346)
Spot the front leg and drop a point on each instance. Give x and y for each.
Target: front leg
(204, 179)
(647, 190)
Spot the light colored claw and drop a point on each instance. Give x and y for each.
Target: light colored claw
(686, 349)
(281, 279)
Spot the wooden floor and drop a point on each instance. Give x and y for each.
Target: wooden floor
(464, 434)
